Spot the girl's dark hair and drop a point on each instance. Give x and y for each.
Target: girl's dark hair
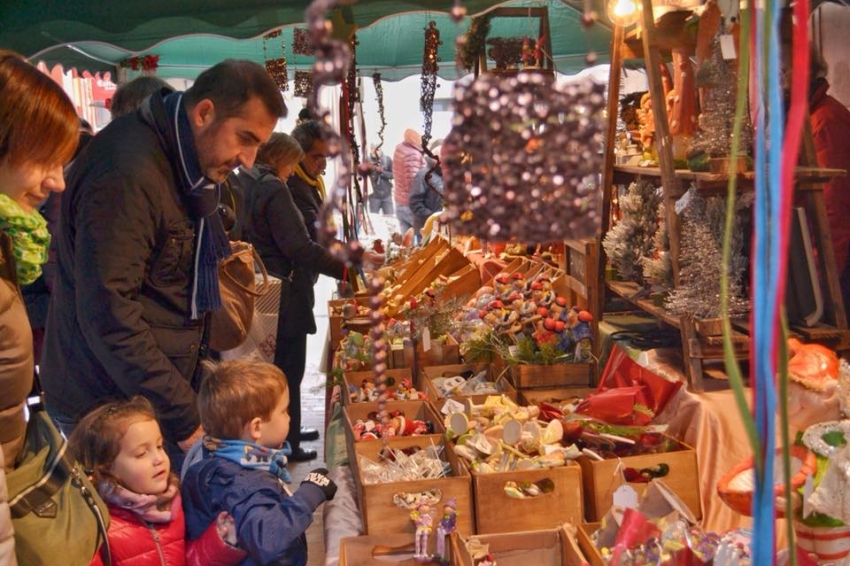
(96, 439)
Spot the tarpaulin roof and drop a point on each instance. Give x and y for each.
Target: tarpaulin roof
(190, 35)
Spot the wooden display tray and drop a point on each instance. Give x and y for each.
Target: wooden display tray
(358, 551)
(525, 376)
(552, 547)
(419, 410)
(462, 283)
(355, 378)
(601, 478)
(381, 516)
(431, 372)
(496, 512)
(585, 543)
(443, 351)
(530, 397)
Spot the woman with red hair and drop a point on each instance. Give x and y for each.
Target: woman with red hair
(39, 131)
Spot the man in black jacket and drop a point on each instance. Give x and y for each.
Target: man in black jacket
(139, 244)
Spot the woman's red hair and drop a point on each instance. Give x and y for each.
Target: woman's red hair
(38, 123)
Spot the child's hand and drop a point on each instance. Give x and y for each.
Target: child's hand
(319, 478)
(226, 527)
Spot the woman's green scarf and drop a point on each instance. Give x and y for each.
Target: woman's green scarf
(30, 238)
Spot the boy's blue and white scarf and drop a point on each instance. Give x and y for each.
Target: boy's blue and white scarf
(250, 455)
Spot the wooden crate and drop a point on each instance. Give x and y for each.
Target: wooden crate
(601, 478)
(380, 515)
(431, 372)
(526, 376)
(421, 410)
(552, 547)
(353, 379)
(462, 283)
(443, 351)
(497, 513)
(360, 551)
(585, 542)
(528, 397)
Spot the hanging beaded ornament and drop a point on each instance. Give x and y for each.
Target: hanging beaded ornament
(276, 67)
(301, 44)
(429, 79)
(303, 84)
(523, 158)
(331, 67)
(379, 94)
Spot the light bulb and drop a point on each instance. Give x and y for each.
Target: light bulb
(623, 12)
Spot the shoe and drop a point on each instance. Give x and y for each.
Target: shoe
(308, 434)
(302, 455)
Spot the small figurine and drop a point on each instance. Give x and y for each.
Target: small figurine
(447, 525)
(421, 517)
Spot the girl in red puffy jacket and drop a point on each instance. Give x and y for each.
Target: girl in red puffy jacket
(120, 445)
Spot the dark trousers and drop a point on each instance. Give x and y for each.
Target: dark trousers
(291, 357)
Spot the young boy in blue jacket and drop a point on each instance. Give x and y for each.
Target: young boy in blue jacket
(244, 409)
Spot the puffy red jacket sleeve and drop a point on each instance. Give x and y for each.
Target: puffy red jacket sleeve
(210, 550)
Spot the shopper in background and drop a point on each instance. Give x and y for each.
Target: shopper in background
(381, 196)
(426, 192)
(39, 131)
(129, 96)
(407, 161)
(831, 132)
(139, 246)
(296, 320)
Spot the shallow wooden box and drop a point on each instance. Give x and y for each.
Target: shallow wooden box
(461, 284)
(443, 351)
(360, 551)
(497, 513)
(353, 379)
(585, 543)
(431, 372)
(525, 376)
(552, 547)
(528, 397)
(601, 478)
(380, 515)
(421, 410)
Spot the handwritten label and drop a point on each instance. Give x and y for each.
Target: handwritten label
(426, 340)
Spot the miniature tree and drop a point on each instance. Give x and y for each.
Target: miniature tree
(658, 268)
(631, 239)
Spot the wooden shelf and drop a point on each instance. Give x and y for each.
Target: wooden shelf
(805, 177)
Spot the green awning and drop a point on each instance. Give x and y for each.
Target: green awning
(191, 35)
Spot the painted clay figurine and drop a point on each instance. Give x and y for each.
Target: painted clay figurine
(447, 525)
(422, 519)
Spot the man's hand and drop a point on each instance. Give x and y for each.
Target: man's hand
(319, 478)
(185, 445)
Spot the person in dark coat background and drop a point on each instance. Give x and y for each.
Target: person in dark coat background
(297, 321)
(381, 197)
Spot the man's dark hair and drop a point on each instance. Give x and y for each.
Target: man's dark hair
(304, 115)
(231, 84)
(308, 133)
(129, 96)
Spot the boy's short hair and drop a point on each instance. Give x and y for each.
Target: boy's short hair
(236, 391)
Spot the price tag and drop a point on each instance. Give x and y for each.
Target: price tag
(727, 47)
(451, 407)
(426, 340)
(625, 496)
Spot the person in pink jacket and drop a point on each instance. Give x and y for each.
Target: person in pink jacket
(121, 446)
(407, 160)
